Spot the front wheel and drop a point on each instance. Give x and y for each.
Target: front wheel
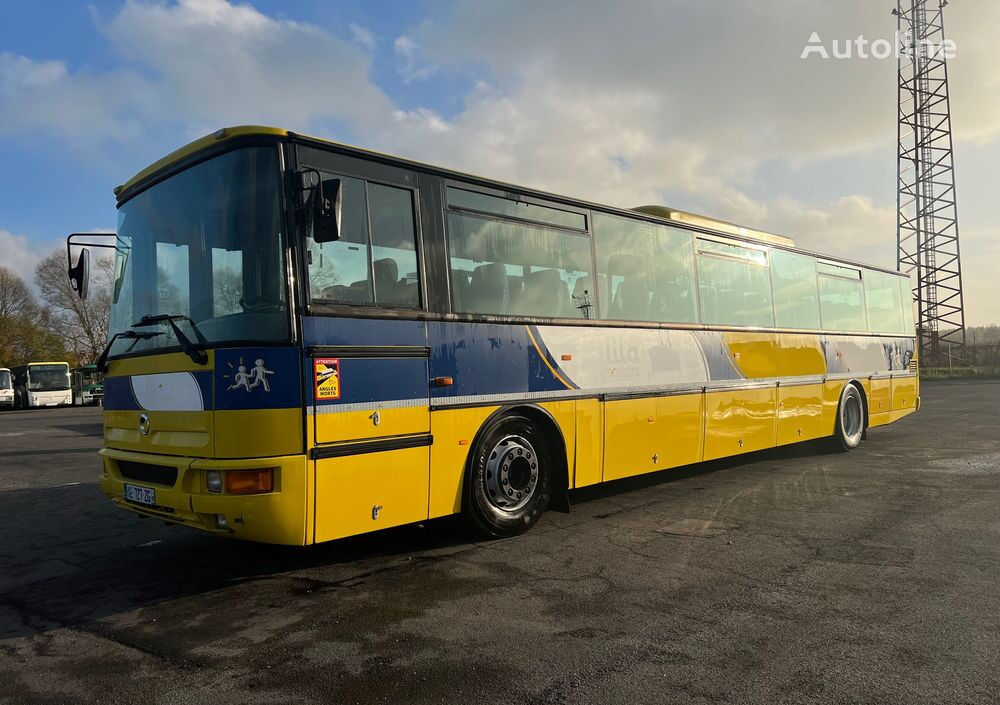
(508, 481)
(850, 420)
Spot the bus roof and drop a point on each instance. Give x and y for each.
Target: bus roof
(692, 220)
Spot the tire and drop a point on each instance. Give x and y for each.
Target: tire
(508, 481)
(850, 425)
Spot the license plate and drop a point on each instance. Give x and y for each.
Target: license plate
(140, 495)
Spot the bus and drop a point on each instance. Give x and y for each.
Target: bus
(88, 385)
(41, 384)
(310, 341)
(6, 388)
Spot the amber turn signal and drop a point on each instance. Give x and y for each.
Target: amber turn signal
(249, 481)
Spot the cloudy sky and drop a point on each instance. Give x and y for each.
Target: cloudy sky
(704, 105)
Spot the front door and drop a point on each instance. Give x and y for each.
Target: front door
(370, 422)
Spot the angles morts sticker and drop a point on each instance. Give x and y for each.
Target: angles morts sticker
(327, 374)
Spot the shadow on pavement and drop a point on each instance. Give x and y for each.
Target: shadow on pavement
(71, 559)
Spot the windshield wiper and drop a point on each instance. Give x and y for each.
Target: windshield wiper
(197, 355)
(135, 336)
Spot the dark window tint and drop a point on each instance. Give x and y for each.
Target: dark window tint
(645, 271)
(502, 267)
(393, 250)
(472, 200)
(338, 271)
(377, 243)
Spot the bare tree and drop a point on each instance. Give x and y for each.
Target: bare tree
(16, 298)
(82, 323)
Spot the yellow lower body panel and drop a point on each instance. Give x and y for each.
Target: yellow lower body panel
(739, 421)
(649, 434)
(454, 431)
(800, 414)
(370, 491)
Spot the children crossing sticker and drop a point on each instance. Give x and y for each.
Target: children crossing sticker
(327, 373)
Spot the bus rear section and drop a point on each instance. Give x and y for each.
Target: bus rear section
(6, 389)
(41, 384)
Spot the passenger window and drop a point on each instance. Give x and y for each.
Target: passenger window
(505, 268)
(734, 285)
(796, 292)
(906, 294)
(884, 303)
(841, 298)
(393, 249)
(645, 271)
(377, 236)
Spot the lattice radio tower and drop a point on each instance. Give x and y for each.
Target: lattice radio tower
(927, 223)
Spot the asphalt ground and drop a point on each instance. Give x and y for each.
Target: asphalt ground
(795, 575)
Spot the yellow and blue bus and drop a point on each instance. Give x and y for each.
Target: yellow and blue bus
(312, 341)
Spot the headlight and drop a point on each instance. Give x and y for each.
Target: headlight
(213, 480)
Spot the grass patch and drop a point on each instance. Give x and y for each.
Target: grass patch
(979, 372)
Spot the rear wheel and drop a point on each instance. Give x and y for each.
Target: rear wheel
(508, 481)
(850, 419)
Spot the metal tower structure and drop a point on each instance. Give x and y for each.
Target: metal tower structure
(927, 222)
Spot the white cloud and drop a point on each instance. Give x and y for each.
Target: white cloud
(20, 255)
(362, 36)
(412, 65)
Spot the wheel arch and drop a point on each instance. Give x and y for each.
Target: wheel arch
(864, 404)
(553, 434)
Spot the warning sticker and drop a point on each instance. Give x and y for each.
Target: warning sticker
(327, 373)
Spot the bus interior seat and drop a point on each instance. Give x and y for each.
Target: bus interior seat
(545, 294)
(489, 289)
(516, 286)
(632, 299)
(387, 289)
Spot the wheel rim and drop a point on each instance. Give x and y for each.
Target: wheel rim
(850, 416)
(512, 473)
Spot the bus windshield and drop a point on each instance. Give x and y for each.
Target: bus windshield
(5, 379)
(48, 378)
(206, 246)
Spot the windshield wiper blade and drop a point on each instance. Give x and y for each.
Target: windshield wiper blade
(135, 336)
(197, 355)
(152, 319)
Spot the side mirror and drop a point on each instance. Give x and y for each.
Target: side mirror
(325, 204)
(79, 274)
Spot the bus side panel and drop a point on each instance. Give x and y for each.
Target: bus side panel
(879, 402)
(904, 393)
(589, 443)
(831, 402)
(655, 433)
(800, 413)
(370, 491)
(564, 414)
(454, 431)
(739, 421)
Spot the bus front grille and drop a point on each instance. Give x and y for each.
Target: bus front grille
(144, 472)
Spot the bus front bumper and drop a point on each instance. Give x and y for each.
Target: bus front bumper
(174, 489)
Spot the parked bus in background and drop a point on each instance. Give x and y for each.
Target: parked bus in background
(41, 384)
(312, 341)
(88, 385)
(6, 389)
